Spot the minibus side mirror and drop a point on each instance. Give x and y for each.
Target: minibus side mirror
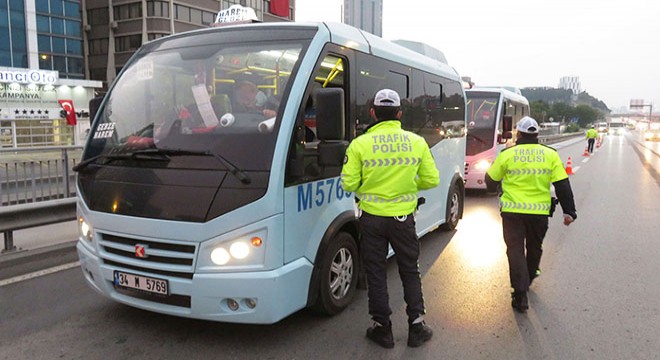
(94, 106)
(331, 126)
(507, 127)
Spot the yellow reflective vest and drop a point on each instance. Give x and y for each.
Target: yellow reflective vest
(526, 172)
(592, 134)
(386, 166)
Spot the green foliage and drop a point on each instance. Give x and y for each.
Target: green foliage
(571, 128)
(561, 106)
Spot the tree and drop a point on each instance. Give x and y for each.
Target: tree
(537, 108)
(586, 115)
(561, 111)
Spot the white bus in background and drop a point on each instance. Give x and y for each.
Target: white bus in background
(192, 206)
(617, 127)
(486, 110)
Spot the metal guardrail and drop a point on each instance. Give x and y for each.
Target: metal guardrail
(551, 139)
(36, 174)
(23, 216)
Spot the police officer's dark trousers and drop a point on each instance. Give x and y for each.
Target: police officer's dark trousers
(523, 235)
(590, 145)
(377, 232)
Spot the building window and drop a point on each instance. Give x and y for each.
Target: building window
(128, 11)
(98, 46)
(13, 44)
(43, 132)
(98, 16)
(208, 17)
(56, 7)
(98, 74)
(72, 9)
(128, 43)
(158, 9)
(73, 47)
(182, 13)
(73, 28)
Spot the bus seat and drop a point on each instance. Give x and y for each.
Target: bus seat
(221, 104)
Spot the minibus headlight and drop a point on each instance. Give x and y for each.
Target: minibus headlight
(239, 250)
(85, 229)
(220, 256)
(482, 165)
(245, 251)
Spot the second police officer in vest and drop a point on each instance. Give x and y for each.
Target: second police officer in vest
(385, 167)
(526, 171)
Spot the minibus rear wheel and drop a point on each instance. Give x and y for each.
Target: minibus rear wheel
(339, 270)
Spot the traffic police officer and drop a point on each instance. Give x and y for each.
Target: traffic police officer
(591, 136)
(526, 171)
(385, 167)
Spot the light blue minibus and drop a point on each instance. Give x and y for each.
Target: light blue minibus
(209, 185)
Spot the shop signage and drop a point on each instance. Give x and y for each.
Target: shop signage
(28, 76)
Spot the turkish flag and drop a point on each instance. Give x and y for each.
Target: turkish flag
(280, 8)
(67, 105)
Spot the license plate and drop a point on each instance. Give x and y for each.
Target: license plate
(139, 282)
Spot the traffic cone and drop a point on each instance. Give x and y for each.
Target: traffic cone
(598, 143)
(569, 166)
(586, 151)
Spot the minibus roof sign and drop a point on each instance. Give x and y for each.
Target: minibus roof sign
(235, 14)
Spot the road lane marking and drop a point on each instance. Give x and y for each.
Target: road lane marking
(585, 160)
(39, 273)
(575, 169)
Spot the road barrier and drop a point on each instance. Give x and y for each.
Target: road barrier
(36, 174)
(23, 216)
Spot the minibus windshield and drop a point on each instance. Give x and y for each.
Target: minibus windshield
(220, 99)
(481, 112)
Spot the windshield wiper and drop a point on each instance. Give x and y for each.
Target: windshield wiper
(119, 156)
(240, 175)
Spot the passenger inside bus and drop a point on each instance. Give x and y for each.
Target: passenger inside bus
(245, 100)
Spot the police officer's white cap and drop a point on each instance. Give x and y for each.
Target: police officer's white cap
(528, 125)
(387, 97)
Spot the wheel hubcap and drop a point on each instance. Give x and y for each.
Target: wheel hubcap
(453, 211)
(341, 274)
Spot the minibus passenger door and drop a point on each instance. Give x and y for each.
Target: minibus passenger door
(507, 129)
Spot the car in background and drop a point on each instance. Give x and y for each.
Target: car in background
(602, 127)
(651, 135)
(617, 128)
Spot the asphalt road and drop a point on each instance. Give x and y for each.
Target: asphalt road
(597, 297)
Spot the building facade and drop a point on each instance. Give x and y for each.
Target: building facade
(364, 14)
(41, 72)
(571, 83)
(115, 29)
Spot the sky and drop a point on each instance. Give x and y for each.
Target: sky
(613, 46)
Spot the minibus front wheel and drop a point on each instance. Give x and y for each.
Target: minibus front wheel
(454, 209)
(339, 270)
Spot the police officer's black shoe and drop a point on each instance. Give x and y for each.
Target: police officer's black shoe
(533, 276)
(381, 335)
(418, 334)
(519, 301)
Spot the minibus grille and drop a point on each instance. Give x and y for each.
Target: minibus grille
(163, 258)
